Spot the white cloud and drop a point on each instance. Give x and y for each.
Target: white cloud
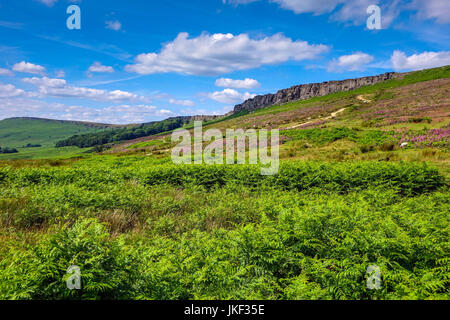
(20, 107)
(343, 10)
(46, 82)
(222, 53)
(302, 6)
(5, 72)
(400, 61)
(48, 2)
(8, 90)
(352, 62)
(230, 96)
(88, 93)
(27, 67)
(122, 114)
(237, 84)
(59, 88)
(122, 95)
(185, 103)
(99, 68)
(113, 25)
(433, 9)
(355, 10)
(316, 7)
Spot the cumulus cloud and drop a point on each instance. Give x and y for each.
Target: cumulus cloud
(185, 103)
(230, 96)
(352, 62)
(400, 61)
(99, 68)
(113, 25)
(46, 82)
(59, 88)
(8, 90)
(27, 67)
(222, 53)
(5, 72)
(237, 84)
(89, 93)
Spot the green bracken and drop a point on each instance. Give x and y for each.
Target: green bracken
(224, 232)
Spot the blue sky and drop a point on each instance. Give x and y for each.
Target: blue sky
(137, 61)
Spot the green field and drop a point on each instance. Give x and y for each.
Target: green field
(18, 132)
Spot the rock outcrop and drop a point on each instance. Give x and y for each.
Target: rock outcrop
(307, 91)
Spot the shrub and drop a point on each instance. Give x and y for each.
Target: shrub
(106, 268)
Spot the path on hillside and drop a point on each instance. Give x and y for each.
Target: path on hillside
(332, 115)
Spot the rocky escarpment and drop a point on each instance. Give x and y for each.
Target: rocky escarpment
(307, 91)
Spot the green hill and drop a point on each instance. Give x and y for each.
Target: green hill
(20, 132)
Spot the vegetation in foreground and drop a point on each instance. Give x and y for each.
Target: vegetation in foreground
(221, 232)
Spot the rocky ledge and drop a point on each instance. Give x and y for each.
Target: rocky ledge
(307, 91)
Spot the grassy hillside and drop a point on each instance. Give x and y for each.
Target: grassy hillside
(19, 132)
(369, 123)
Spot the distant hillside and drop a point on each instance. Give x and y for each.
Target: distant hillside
(122, 134)
(35, 138)
(18, 132)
